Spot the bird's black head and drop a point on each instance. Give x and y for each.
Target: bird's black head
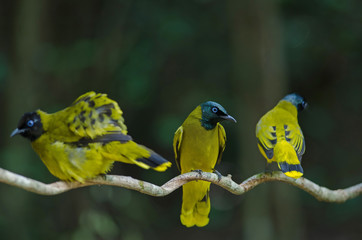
(298, 101)
(212, 113)
(29, 126)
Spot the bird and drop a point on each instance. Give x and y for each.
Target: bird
(85, 139)
(280, 138)
(198, 145)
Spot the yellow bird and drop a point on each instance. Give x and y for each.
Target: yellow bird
(198, 145)
(280, 138)
(83, 140)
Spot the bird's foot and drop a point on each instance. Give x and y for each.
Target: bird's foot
(103, 176)
(219, 176)
(199, 171)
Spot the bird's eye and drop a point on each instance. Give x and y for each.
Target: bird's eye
(214, 109)
(30, 123)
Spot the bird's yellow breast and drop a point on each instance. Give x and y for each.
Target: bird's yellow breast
(199, 148)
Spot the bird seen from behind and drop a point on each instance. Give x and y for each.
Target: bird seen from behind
(280, 138)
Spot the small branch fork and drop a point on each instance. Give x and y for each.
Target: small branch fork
(319, 192)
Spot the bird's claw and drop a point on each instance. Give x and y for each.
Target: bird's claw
(219, 176)
(103, 175)
(199, 171)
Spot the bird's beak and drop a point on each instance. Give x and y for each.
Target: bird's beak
(229, 118)
(17, 131)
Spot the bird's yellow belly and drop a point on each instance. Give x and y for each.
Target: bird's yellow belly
(199, 150)
(70, 163)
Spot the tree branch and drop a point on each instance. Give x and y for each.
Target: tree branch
(319, 192)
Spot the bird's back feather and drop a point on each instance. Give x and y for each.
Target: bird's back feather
(280, 138)
(94, 114)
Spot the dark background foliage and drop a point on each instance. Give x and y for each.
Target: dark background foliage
(159, 60)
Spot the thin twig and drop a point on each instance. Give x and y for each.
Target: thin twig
(319, 192)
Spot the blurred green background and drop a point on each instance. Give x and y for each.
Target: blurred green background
(159, 60)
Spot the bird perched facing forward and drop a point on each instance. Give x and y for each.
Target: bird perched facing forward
(84, 139)
(280, 138)
(198, 144)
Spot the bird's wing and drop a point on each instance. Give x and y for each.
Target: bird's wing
(222, 141)
(104, 139)
(177, 139)
(93, 115)
(294, 135)
(267, 138)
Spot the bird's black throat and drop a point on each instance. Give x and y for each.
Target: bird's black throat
(207, 124)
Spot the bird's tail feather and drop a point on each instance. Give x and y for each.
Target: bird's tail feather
(154, 161)
(195, 207)
(131, 152)
(287, 159)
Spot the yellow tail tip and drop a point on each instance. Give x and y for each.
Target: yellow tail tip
(163, 167)
(294, 174)
(291, 170)
(201, 221)
(187, 221)
(190, 220)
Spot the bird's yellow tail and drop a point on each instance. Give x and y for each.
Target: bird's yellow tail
(195, 204)
(287, 159)
(152, 160)
(131, 152)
